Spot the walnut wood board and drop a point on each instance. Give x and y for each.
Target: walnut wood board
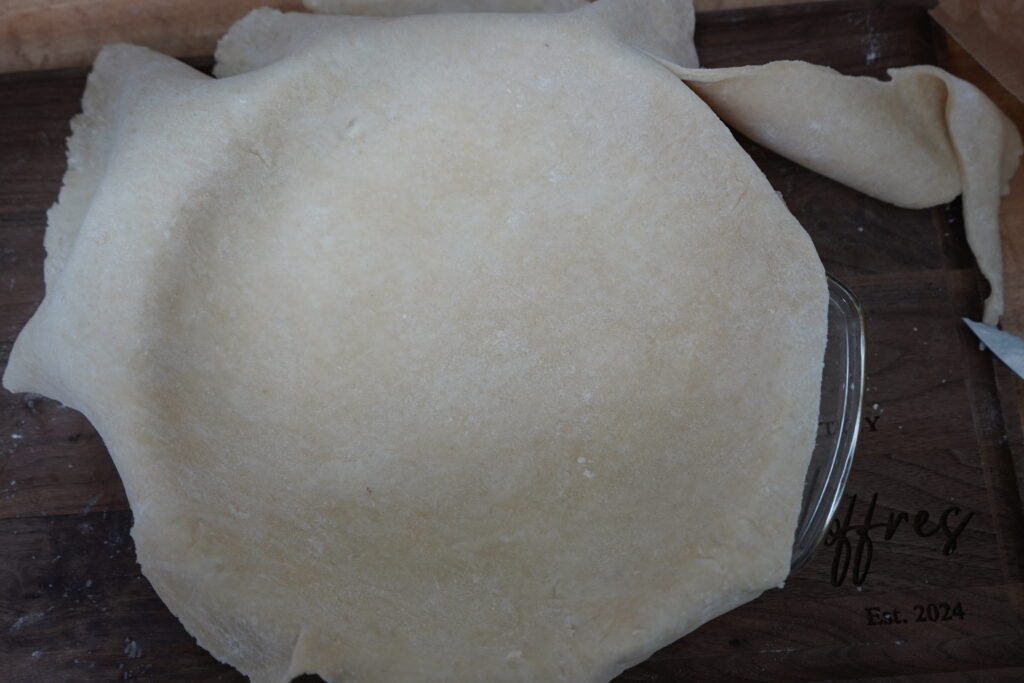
(74, 606)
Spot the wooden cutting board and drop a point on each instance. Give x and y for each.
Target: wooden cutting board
(925, 571)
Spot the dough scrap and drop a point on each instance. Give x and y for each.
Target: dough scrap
(918, 140)
(448, 347)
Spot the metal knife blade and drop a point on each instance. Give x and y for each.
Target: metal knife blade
(1007, 347)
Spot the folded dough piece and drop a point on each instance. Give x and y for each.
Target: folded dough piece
(448, 347)
(918, 140)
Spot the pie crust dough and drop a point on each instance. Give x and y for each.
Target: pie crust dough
(463, 346)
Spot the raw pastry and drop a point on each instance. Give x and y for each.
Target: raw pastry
(449, 347)
(918, 140)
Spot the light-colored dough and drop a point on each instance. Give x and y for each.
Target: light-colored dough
(449, 347)
(918, 140)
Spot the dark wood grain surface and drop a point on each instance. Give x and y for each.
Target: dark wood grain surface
(74, 607)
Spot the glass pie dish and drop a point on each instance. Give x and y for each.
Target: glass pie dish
(842, 393)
